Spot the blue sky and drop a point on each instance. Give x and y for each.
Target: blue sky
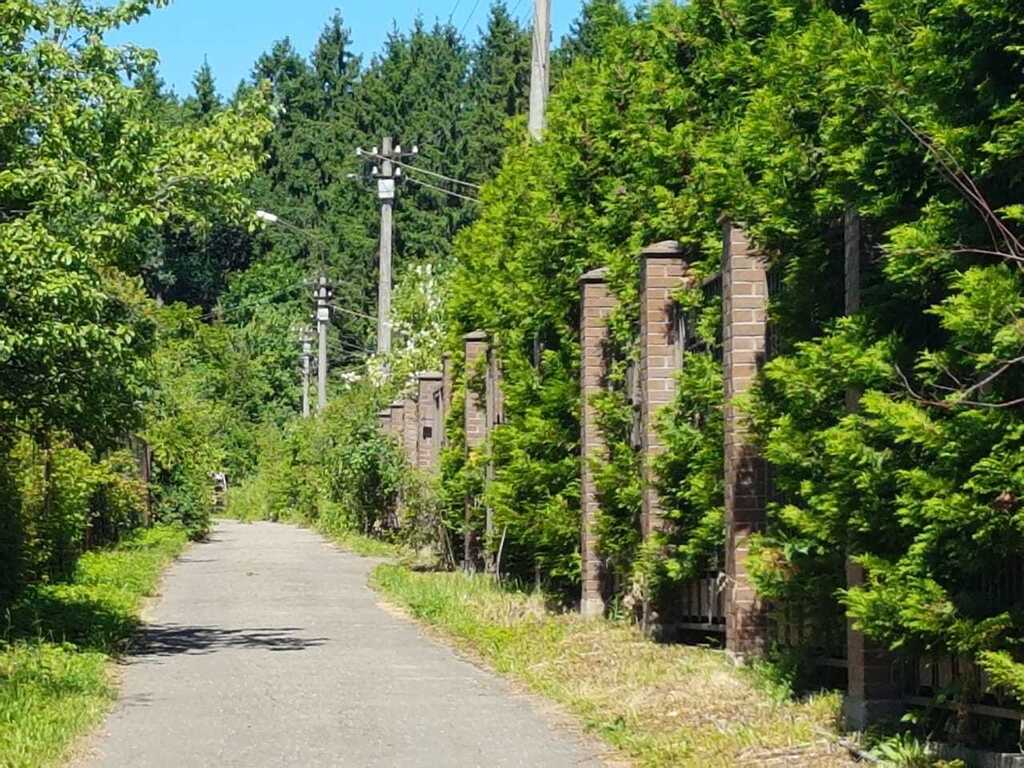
(231, 34)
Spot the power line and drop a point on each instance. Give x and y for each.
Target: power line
(452, 14)
(469, 18)
(350, 350)
(354, 312)
(435, 174)
(441, 189)
(250, 305)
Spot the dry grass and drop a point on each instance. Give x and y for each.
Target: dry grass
(663, 705)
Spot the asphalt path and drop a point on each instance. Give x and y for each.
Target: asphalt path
(266, 647)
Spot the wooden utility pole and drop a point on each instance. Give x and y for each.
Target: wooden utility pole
(539, 73)
(307, 352)
(322, 295)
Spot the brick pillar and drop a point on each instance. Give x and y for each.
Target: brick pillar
(397, 420)
(744, 317)
(445, 406)
(873, 689)
(429, 386)
(494, 403)
(410, 428)
(662, 270)
(476, 407)
(384, 420)
(475, 424)
(597, 303)
(495, 396)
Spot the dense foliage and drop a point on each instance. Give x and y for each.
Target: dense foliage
(786, 115)
(93, 181)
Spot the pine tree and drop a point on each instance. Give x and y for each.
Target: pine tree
(586, 35)
(498, 88)
(336, 68)
(204, 101)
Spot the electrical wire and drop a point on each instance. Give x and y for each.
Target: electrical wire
(442, 190)
(420, 169)
(268, 300)
(469, 18)
(356, 353)
(352, 345)
(354, 312)
(452, 14)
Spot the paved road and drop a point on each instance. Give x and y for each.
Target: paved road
(268, 649)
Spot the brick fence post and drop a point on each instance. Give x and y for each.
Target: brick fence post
(410, 431)
(662, 270)
(744, 317)
(873, 689)
(429, 385)
(445, 404)
(397, 420)
(475, 424)
(597, 302)
(384, 420)
(494, 405)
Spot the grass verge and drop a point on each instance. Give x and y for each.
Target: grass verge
(366, 546)
(340, 533)
(663, 705)
(57, 641)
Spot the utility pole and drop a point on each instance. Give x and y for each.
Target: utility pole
(307, 352)
(322, 295)
(387, 171)
(539, 73)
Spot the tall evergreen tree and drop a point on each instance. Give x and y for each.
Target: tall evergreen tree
(499, 86)
(205, 100)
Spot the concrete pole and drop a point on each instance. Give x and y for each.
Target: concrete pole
(323, 316)
(307, 353)
(539, 74)
(386, 194)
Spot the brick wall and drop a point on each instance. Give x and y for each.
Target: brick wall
(429, 384)
(384, 420)
(597, 303)
(744, 306)
(662, 270)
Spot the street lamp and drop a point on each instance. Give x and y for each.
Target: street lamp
(323, 295)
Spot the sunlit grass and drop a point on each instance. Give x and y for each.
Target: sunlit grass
(662, 705)
(58, 639)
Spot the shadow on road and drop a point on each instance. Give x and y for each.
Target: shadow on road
(173, 639)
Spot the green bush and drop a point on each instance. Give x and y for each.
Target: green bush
(58, 501)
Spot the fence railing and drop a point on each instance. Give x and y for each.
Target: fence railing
(701, 603)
